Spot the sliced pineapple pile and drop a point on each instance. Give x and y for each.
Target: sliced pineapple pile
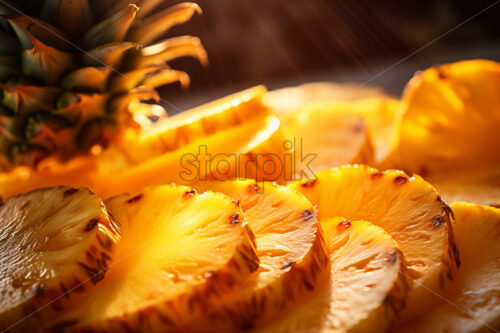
(367, 285)
(291, 249)
(408, 208)
(56, 246)
(251, 255)
(179, 254)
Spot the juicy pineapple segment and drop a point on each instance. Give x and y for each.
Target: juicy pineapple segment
(408, 208)
(55, 245)
(215, 157)
(336, 138)
(366, 287)
(451, 118)
(473, 304)
(180, 252)
(291, 249)
(174, 132)
(379, 115)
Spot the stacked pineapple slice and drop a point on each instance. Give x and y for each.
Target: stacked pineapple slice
(353, 249)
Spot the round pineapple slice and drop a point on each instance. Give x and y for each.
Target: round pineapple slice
(174, 132)
(56, 244)
(179, 254)
(473, 303)
(451, 116)
(408, 208)
(366, 288)
(291, 250)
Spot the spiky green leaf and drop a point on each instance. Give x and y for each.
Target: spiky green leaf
(108, 54)
(153, 27)
(45, 63)
(112, 29)
(43, 31)
(170, 49)
(87, 79)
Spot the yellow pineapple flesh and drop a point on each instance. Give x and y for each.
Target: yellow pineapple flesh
(180, 252)
(366, 287)
(56, 245)
(408, 208)
(473, 303)
(451, 115)
(290, 247)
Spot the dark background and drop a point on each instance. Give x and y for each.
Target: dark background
(288, 42)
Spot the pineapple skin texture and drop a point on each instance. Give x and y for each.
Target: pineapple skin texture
(73, 284)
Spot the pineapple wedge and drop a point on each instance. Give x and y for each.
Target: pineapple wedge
(474, 302)
(408, 208)
(367, 286)
(450, 121)
(179, 254)
(291, 249)
(56, 244)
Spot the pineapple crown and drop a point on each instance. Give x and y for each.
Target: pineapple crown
(69, 70)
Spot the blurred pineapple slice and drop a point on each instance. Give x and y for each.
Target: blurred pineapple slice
(285, 102)
(55, 245)
(473, 304)
(367, 286)
(450, 120)
(291, 250)
(408, 208)
(174, 132)
(179, 254)
(216, 157)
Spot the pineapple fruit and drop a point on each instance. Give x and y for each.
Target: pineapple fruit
(56, 246)
(367, 286)
(292, 252)
(473, 303)
(408, 208)
(449, 129)
(179, 254)
(72, 68)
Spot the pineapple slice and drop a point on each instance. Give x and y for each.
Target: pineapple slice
(180, 252)
(408, 208)
(285, 102)
(172, 133)
(217, 157)
(379, 115)
(56, 245)
(473, 304)
(291, 249)
(451, 116)
(367, 286)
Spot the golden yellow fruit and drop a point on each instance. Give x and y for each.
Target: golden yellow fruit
(291, 249)
(473, 303)
(366, 288)
(180, 252)
(450, 119)
(408, 208)
(56, 244)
